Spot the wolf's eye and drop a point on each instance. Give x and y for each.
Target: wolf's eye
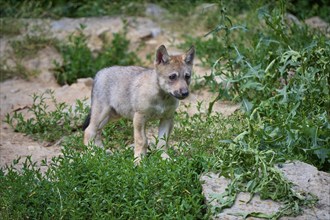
(187, 77)
(172, 77)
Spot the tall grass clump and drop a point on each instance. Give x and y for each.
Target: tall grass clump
(79, 61)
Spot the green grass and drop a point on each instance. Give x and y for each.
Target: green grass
(88, 183)
(79, 61)
(91, 184)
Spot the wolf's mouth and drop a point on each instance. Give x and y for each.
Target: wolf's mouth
(179, 96)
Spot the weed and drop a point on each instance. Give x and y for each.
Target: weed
(10, 27)
(288, 89)
(252, 170)
(280, 75)
(30, 45)
(231, 149)
(45, 124)
(79, 62)
(118, 134)
(90, 184)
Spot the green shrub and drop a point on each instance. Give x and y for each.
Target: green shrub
(79, 62)
(281, 76)
(91, 184)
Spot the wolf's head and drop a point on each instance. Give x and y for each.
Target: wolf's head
(174, 72)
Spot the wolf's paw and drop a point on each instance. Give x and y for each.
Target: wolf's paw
(137, 161)
(108, 152)
(131, 146)
(165, 156)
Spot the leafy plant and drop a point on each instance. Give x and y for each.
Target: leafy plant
(79, 62)
(91, 184)
(232, 148)
(278, 72)
(45, 124)
(281, 77)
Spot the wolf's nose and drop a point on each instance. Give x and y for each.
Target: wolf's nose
(185, 94)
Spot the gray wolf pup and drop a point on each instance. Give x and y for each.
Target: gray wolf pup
(141, 95)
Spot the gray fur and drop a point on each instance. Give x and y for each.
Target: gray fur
(141, 95)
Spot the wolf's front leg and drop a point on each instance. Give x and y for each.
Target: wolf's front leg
(165, 129)
(140, 138)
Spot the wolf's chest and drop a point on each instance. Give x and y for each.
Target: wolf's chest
(162, 109)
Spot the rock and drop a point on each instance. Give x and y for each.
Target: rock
(154, 10)
(14, 90)
(95, 44)
(207, 8)
(86, 81)
(305, 178)
(142, 29)
(62, 28)
(44, 62)
(317, 23)
(5, 48)
(292, 19)
(100, 29)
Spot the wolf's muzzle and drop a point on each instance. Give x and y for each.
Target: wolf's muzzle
(182, 94)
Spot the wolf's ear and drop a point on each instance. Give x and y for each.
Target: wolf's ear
(162, 55)
(189, 56)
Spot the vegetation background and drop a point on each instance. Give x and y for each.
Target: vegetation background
(275, 66)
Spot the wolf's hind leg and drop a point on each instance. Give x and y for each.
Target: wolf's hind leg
(98, 136)
(99, 117)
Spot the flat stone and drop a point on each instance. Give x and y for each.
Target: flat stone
(306, 178)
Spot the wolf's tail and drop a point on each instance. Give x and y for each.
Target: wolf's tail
(87, 121)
